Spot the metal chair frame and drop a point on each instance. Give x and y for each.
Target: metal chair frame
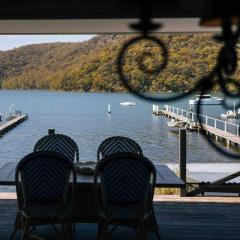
(124, 140)
(27, 222)
(41, 144)
(146, 221)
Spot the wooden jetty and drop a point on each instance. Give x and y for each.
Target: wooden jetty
(6, 126)
(221, 130)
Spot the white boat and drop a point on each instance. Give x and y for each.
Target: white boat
(128, 103)
(109, 108)
(206, 100)
(179, 124)
(231, 113)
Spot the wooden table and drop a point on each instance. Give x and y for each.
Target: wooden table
(84, 200)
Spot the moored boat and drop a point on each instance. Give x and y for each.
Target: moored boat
(230, 114)
(128, 103)
(206, 100)
(177, 124)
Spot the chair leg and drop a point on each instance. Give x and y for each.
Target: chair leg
(99, 231)
(16, 225)
(139, 235)
(104, 231)
(25, 232)
(57, 231)
(143, 230)
(70, 230)
(63, 228)
(65, 231)
(155, 225)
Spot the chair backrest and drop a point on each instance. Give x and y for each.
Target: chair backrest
(58, 143)
(125, 179)
(118, 144)
(44, 177)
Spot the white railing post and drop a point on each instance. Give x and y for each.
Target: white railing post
(238, 131)
(225, 126)
(177, 111)
(215, 123)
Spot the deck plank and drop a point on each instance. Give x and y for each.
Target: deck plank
(177, 221)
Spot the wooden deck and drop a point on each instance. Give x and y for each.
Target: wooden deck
(178, 220)
(4, 127)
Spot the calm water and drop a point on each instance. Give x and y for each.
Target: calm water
(84, 117)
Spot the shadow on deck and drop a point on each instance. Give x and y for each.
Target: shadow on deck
(177, 220)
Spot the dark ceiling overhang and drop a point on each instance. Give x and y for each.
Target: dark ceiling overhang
(95, 16)
(101, 9)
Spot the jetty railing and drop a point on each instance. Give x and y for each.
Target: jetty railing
(206, 120)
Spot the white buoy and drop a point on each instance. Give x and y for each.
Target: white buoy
(109, 108)
(155, 109)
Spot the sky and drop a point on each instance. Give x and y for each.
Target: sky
(8, 42)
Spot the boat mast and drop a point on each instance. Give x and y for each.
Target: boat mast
(234, 109)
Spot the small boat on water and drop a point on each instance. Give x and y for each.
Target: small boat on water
(231, 113)
(128, 103)
(206, 100)
(177, 124)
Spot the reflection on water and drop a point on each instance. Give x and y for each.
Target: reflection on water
(85, 118)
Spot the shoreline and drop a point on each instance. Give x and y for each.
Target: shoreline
(111, 92)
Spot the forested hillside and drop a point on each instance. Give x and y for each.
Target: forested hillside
(91, 65)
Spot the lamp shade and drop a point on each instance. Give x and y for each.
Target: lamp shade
(215, 11)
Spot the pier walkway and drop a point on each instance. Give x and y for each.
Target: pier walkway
(4, 127)
(220, 129)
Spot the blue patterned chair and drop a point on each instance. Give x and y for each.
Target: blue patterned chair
(58, 143)
(117, 144)
(124, 188)
(45, 185)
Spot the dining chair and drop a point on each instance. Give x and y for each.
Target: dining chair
(124, 188)
(45, 186)
(118, 144)
(58, 143)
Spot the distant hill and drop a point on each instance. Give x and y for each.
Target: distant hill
(91, 65)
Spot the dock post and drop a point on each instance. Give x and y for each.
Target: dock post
(51, 131)
(182, 159)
